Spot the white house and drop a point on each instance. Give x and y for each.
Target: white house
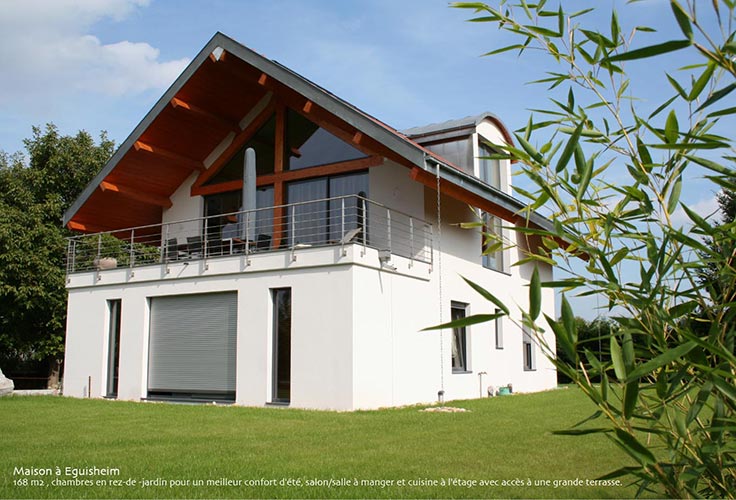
(258, 240)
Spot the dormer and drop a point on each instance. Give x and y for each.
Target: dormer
(466, 143)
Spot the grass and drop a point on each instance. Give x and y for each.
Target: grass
(499, 439)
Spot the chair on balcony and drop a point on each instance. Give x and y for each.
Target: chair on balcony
(263, 242)
(173, 252)
(194, 246)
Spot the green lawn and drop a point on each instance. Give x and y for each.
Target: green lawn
(499, 439)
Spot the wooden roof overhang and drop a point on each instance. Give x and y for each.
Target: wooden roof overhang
(204, 117)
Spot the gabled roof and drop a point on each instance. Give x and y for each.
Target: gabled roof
(181, 144)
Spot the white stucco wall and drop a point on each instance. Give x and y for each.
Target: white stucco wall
(321, 361)
(184, 208)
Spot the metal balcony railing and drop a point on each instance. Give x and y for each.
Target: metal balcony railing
(337, 221)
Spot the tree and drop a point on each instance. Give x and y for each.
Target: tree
(592, 335)
(710, 275)
(667, 394)
(33, 199)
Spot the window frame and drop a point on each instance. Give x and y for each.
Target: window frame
(460, 335)
(498, 324)
(494, 225)
(529, 355)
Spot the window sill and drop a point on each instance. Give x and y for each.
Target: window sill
(499, 271)
(278, 403)
(461, 372)
(530, 369)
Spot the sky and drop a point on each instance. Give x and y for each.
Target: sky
(102, 64)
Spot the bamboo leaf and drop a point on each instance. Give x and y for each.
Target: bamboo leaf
(568, 319)
(644, 155)
(671, 128)
(503, 49)
(677, 87)
(488, 296)
(535, 295)
(581, 432)
(701, 82)
(682, 19)
(634, 448)
(631, 396)
(650, 51)
(717, 96)
(560, 20)
(674, 195)
(711, 165)
(530, 150)
(663, 359)
(617, 359)
(466, 321)
(585, 178)
(572, 143)
(615, 27)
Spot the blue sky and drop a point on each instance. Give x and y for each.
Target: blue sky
(101, 64)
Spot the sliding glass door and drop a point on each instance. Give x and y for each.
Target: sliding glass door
(316, 221)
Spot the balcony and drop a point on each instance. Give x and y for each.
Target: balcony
(332, 222)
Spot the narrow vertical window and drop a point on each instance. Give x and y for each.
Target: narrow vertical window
(113, 348)
(529, 354)
(492, 234)
(490, 169)
(281, 345)
(459, 340)
(499, 330)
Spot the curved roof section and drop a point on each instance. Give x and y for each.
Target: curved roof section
(469, 122)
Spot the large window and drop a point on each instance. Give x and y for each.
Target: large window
(492, 235)
(263, 142)
(459, 340)
(225, 203)
(308, 145)
(315, 220)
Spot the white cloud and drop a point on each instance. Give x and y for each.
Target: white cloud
(46, 51)
(706, 207)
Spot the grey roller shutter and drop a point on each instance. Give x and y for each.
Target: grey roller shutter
(192, 343)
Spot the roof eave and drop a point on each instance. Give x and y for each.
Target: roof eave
(477, 187)
(135, 135)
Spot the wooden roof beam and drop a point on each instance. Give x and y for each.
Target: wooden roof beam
(136, 194)
(228, 125)
(169, 155)
(86, 228)
(223, 64)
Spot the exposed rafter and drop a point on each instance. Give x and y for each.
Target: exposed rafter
(136, 194)
(238, 141)
(228, 125)
(85, 228)
(169, 155)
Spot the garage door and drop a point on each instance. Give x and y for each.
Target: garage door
(192, 346)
